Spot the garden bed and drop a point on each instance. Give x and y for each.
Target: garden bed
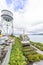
(31, 54)
(17, 57)
(38, 45)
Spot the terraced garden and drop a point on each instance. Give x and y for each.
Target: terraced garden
(38, 45)
(31, 54)
(22, 55)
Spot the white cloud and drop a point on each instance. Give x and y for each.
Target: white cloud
(31, 18)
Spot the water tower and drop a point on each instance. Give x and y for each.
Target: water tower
(7, 16)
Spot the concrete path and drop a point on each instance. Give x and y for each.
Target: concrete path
(37, 50)
(38, 63)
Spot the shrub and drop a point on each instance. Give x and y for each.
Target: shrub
(16, 57)
(38, 45)
(41, 56)
(33, 58)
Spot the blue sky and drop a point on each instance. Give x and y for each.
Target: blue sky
(28, 14)
(9, 1)
(18, 4)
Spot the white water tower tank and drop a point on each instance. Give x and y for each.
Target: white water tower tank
(7, 16)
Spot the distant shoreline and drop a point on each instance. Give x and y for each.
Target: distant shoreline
(29, 34)
(35, 34)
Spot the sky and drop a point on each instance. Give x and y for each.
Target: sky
(27, 14)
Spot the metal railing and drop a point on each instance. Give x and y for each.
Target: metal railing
(7, 57)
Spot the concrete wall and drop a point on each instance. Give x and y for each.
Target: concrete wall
(7, 57)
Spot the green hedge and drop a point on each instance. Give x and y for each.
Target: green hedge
(16, 57)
